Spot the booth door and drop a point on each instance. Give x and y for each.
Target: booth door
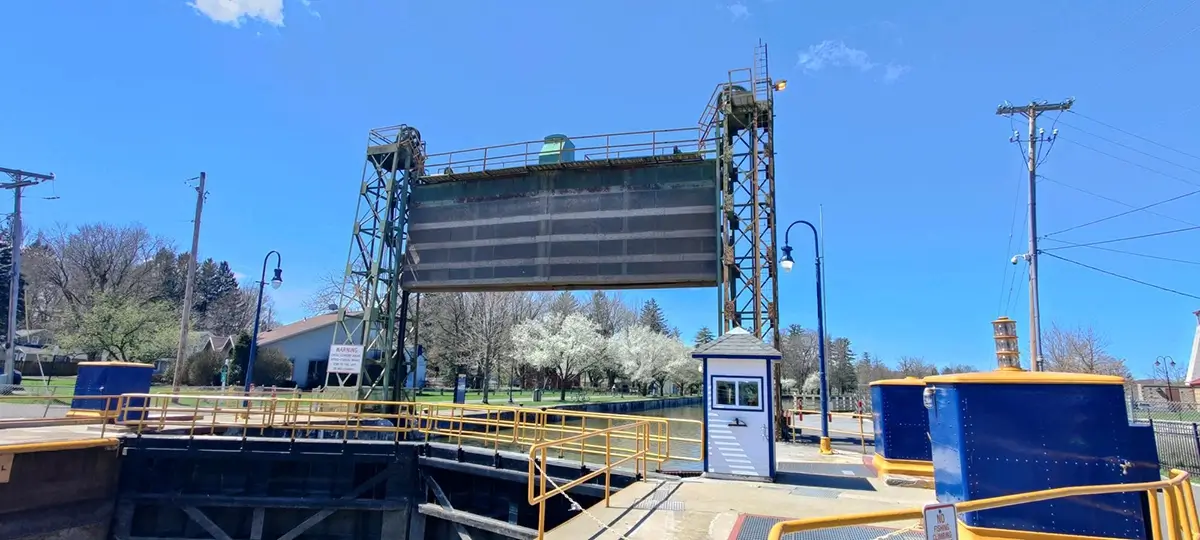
(739, 436)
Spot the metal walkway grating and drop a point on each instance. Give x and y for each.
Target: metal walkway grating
(752, 527)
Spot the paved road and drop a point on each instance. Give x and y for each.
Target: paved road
(17, 410)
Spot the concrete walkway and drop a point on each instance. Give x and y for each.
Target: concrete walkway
(703, 509)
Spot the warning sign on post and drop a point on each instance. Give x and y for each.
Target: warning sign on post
(346, 359)
(941, 522)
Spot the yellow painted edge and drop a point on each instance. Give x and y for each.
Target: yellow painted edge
(907, 381)
(118, 364)
(1023, 377)
(89, 413)
(966, 532)
(55, 446)
(905, 467)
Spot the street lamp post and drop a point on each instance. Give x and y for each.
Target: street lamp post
(1167, 365)
(276, 281)
(786, 263)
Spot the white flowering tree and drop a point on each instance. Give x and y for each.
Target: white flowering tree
(564, 345)
(646, 357)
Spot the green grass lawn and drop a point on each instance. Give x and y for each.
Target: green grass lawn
(61, 389)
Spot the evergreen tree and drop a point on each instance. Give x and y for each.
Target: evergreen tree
(5, 284)
(704, 336)
(652, 317)
(843, 378)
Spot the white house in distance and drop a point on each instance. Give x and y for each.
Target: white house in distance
(306, 344)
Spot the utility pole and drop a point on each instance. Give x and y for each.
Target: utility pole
(181, 355)
(20, 179)
(1031, 112)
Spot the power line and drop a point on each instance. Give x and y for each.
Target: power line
(1120, 202)
(1138, 237)
(1136, 136)
(1127, 212)
(1135, 164)
(1123, 252)
(1127, 147)
(1127, 278)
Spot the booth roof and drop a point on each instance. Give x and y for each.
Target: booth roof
(736, 343)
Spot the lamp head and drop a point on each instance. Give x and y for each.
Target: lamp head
(786, 261)
(277, 280)
(780, 85)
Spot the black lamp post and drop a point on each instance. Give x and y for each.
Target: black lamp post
(1167, 365)
(276, 281)
(786, 262)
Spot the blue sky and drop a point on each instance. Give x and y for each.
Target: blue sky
(888, 122)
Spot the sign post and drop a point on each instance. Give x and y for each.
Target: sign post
(460, 389)
(941, 522)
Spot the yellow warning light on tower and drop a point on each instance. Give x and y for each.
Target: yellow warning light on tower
(1008, 353)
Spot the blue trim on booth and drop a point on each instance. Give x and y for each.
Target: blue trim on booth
(741, 356)
(762, 383)
(704, 411)
(770, 424)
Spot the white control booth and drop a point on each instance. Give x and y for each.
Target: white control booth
(738, 424)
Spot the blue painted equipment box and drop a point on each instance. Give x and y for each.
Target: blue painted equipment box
(1012, 431)
(100, 383)
(901, 420)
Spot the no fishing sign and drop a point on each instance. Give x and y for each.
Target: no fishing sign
(941, 522)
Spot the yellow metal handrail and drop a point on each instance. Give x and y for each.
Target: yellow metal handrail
(539, 473)
(1181, 519)
(861, 417)
(482, 425)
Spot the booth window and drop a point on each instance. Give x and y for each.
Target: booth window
(737, 392)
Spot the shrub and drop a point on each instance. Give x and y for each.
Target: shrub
(271, 367)
(204, 368)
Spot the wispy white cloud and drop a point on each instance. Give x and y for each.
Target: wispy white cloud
(738, 10)
(893, 71)
(836, 54)
(236, 12)
(238, 275)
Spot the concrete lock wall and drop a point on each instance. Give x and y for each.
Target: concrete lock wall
(59, 495)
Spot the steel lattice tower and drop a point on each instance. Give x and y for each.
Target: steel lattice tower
(395, 158)
(740, 119)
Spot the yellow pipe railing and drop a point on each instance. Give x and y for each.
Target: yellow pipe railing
(1181, 522)
(862, 418)
(483, 425)
(539, 473)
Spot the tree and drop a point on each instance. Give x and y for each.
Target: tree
(645, 356)
(99, 260)
(204, 368)
(338, 289)
(611, 316)
(870, 368)
(5, 284)
(563, 345)
(651, 316)
(1080, 350)
(704, 336)
(486, 336)
(43, 302)
(124, 329)
(958, 368)
(799, 351)
(842, 376)
(912, 366)
(271, 367)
